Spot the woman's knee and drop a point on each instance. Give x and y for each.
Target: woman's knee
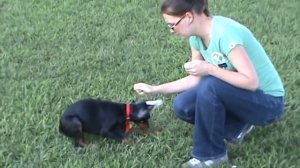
(184, 109)
(178, 105)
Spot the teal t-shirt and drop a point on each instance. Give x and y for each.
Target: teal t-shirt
(226, 34)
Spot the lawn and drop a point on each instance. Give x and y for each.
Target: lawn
(53, 53)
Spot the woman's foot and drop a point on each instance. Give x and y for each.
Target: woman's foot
(195, 163)
(239, 138)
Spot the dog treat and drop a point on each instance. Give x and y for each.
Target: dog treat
(155, 103)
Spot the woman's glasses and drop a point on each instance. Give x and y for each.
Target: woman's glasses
(172, 26)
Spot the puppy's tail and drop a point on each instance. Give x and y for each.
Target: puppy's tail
(70, 126)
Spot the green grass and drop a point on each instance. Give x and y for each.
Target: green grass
(53, 53)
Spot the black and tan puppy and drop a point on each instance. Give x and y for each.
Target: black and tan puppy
(106, 118)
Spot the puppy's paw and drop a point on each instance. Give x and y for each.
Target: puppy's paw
(128, 141)
(91, 145)
(143, 125)
(140, 131)
(151, 132)
(155, 132)
(83, 144)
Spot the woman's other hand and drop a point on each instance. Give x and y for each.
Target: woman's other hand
(197, 67)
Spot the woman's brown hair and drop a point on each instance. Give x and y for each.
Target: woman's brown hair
(180, 7)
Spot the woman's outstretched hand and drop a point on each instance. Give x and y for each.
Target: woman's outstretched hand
(143, 88)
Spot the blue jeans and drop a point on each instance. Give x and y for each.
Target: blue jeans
(219, 110)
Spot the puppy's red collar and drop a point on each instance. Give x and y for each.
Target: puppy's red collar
(128, 115)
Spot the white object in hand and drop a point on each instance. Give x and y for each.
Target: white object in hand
(155, 103)
(188, 65)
